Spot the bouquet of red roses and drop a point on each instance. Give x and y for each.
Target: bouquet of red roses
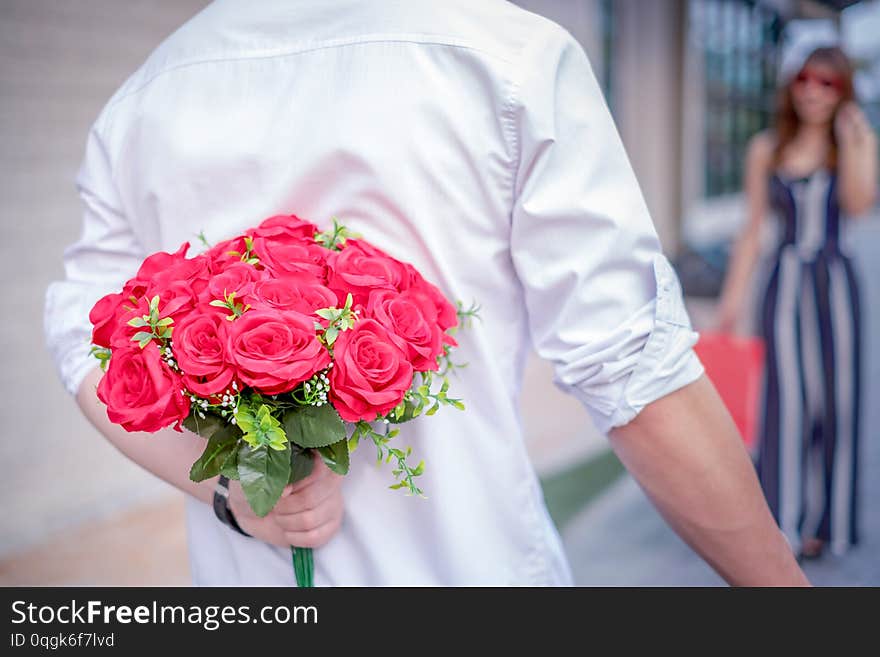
(270, 345)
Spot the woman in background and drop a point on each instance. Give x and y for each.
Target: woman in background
(819, 163)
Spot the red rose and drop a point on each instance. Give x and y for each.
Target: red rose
(282, 225)
(238, 277)
(302, 294)
(370, 373)
(159, 262)
(274, 351)
(173, 277)
(447, 315)
(141, 392)
(200, 342)
(134, 289)
(103, 318)
(286, 256)
(194, 272)
(360, 268)
(226, 252)
(411, 319)
(175, 300)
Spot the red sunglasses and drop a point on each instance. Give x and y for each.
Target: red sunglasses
(826, 82)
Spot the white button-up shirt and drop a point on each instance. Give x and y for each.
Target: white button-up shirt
(469, 138)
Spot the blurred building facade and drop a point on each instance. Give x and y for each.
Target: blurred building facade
(690, 81)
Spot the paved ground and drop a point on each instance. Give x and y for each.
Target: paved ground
(143, 545)
(622, 541)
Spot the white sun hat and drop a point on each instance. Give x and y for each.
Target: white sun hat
(800, 39)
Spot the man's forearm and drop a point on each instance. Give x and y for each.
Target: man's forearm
(168, 454)
(687, 455)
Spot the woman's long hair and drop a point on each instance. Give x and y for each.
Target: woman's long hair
(787, 120)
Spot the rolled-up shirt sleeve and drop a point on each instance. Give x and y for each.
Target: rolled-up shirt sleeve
(106, 254)
(604, 304)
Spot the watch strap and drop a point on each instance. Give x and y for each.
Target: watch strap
(221, 506)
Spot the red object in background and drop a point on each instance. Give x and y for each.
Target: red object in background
(735, 365)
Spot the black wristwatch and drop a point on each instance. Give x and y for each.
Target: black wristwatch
(221, 506)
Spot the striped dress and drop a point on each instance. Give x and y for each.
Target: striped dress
(810, 320)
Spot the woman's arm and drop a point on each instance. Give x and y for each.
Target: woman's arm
(857, 163)
(748, 245)
(686, 454)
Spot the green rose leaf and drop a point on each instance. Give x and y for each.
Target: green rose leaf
(314, 426)
(220, 445)
(206, 426)
(301, 464)
(229, 468)
(263, 473)
(336, 456)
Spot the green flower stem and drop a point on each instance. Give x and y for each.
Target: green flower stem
(303, 567)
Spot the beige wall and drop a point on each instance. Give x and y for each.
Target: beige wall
(59, 62)
(647, 86)
(693, 116)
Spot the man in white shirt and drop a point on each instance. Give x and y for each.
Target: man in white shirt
(471, 139)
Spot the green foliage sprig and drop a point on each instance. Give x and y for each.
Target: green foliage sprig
(200, 236)
(447, 365)
(384, 452)
(465, 315)
(102, 354)
(159, 328)
(334, 238)
(248, 256)
(419, 398)
(341, 319)
(235, 309)
(260, 428)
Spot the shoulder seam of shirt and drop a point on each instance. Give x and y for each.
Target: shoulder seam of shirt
(509, 110)
(508, 121)
(415, 38)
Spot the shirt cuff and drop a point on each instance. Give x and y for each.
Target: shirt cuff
(647, 357)
(68, 332)
(668, 361)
